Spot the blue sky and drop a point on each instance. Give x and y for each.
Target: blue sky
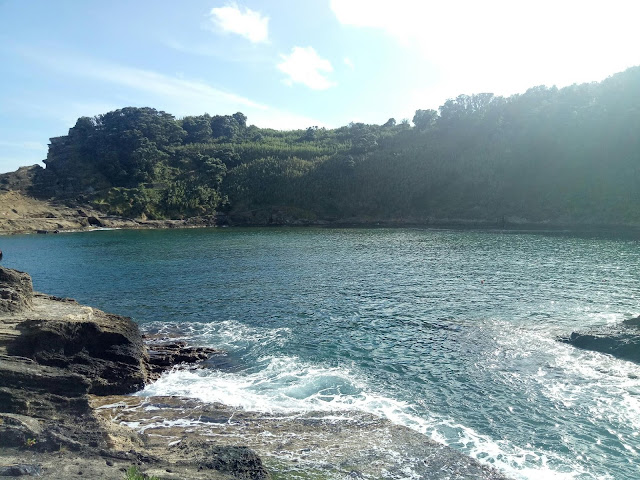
(289, 63)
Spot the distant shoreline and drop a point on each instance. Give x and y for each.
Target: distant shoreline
(21, 214)
(196, 223)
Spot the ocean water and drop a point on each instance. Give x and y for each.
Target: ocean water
(451, 333)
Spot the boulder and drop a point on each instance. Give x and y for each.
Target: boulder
(16, 290)
(105, 349)
(240, 461)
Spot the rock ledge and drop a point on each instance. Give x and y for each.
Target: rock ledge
(621, 340)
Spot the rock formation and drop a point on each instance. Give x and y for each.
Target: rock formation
(55, 355)
(622, 340)
(16, 290)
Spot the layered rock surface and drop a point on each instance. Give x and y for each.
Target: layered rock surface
(313, 445)
(20, 213)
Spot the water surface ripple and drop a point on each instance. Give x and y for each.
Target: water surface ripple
(449, 332)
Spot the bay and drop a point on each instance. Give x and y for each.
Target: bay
(452, 333)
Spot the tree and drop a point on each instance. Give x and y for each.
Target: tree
(224, 127)
(198, 129)
(309, 134)
(241, 120)
(424, 119)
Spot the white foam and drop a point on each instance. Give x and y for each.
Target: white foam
(224, 335)
(286, 385)
(283, 385)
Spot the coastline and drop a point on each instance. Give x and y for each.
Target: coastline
(20, 215)
(66, 373)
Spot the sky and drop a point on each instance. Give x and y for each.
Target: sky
(289, 63)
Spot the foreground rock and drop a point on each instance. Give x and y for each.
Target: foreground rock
(622, 340)
(54, 355)
(314, 445)
(64, 368)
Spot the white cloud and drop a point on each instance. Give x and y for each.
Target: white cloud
(243, 21)
(349, 63)
(505, 46)
(303, 65)
(189, 92)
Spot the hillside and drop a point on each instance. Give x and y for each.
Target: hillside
(550, 156)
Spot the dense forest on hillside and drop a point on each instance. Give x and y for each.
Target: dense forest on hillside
(562, 156)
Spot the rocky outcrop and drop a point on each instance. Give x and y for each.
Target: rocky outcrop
(622, 340)
(55, 357)
(77, 349)
(16, 290)
(105, 349)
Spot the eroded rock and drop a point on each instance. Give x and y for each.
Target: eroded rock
(16, 290)
(105, 349)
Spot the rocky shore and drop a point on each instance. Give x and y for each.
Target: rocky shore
(20, 213)
(56, 358)
(66, 372)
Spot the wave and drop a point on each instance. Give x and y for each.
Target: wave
(287, 385)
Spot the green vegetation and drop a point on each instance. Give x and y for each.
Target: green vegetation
(564, 156)
(134, 474)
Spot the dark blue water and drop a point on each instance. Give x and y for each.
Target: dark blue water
(449, 332)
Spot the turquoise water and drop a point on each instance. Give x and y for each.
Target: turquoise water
(451, 333)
